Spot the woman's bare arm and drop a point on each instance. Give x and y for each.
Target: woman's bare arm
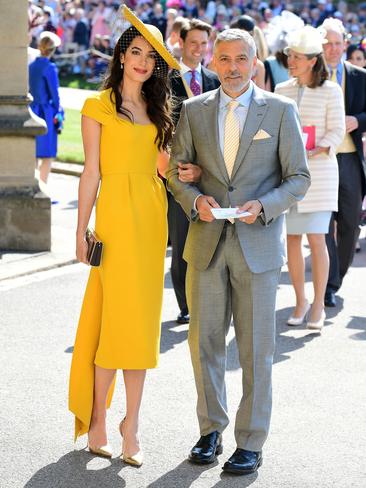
(89, 181)
(163, 162)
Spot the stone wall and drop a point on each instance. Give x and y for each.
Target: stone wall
(25, 211)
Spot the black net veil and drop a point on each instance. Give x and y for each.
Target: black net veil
(161, 68)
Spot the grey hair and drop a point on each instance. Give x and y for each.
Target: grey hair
(230, 35)
(333, 25)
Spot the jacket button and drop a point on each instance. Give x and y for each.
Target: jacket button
(231, 188)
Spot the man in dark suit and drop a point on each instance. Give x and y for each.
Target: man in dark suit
(192, 80)
(351, 162)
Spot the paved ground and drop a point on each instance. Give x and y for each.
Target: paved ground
(74, 97)
(317, 438)
(62, 190)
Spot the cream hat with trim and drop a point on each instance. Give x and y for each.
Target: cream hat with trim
(56, 41)
(307, 40)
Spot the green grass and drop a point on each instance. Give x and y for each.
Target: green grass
(77, 81)
(70, 147)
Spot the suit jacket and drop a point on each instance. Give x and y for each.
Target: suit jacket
(355, 104)
(210, 81)
(272, 170)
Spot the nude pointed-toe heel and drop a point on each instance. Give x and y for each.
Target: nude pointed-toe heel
(318, 325)
(299, 320)
(134, 460)
(103, 451)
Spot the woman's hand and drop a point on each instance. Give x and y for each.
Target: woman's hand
(189, 173)
(317, 150)
(81, 249)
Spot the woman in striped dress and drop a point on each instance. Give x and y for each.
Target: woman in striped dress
(321, 108)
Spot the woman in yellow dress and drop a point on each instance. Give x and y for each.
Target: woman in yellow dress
(126, 130)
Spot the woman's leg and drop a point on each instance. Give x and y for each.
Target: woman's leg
(296, 268)
(134, 383)
(44, 169)
(103, 379)
(320, 270)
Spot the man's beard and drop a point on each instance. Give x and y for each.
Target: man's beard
(236, 85)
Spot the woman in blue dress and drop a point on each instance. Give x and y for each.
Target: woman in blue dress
(43, 86)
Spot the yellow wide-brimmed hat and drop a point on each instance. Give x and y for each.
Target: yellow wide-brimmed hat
(152, 35)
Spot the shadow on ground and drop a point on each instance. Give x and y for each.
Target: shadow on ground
(80, 469)
(76, 470)
(185, 474)
(72, 205)
(358, 323)
(171, 337)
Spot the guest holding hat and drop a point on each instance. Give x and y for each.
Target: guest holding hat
(321, 109)
(126, 131)
(43, 86)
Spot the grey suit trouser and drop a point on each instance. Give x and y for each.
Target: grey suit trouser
(227, 288)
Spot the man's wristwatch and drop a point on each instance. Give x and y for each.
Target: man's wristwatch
(261, 212)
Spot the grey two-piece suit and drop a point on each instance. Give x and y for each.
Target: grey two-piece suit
(233, 269)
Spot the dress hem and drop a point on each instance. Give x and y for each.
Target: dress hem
(138, 367)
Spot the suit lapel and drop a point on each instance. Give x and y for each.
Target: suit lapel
(257, 110)
(181, 88)
(209, 116)
(207, 81)
(349, 90)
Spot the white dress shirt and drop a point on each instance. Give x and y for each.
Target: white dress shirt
(186, 72)
(242, 111)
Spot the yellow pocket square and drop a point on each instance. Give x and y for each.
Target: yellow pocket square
(261, 134)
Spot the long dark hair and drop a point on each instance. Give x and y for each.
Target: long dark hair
(155, 91)
(320, 70)
(282, 58)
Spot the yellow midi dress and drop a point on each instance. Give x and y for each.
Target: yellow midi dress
(119, 326)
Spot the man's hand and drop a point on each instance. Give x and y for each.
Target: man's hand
(254, 207)
(189, 173)
(351, 123)
(204, 204)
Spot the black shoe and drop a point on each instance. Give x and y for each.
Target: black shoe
(183, 318)
(207, 448)
(243, 462)
(330, 299)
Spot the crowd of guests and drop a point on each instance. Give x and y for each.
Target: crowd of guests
(84, 24)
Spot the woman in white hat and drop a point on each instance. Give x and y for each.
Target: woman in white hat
(320, 104)
(126, 130)
(43, 86)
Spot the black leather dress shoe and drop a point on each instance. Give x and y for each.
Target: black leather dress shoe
(183, 318)
(330, 299)
(243, 462)
(206, 449)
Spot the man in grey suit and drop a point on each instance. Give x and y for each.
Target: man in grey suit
(249, 146)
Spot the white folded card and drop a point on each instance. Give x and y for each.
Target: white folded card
(228, 213)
